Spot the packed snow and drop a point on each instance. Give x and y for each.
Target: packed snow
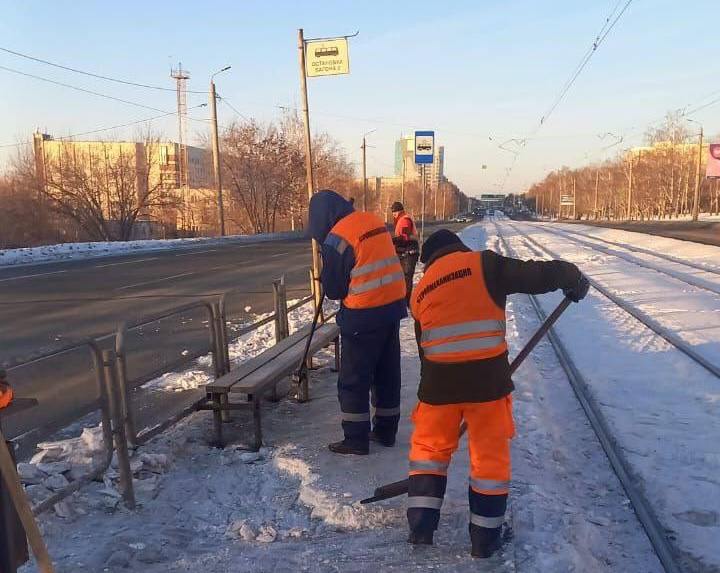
(293, 506)
(81, 251)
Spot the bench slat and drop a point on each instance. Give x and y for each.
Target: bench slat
(227, 382)
(252, 364)
(268, 375)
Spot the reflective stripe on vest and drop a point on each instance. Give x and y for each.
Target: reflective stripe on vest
(499, 486)
(377, 283)
(425, 501)
(428, 465)
(476, 327)
(371, 267)
(487, 522)
(464, 345)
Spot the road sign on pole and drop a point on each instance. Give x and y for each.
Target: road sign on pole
(327, 57)
(424, 146)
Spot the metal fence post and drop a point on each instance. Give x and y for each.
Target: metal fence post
(218, 359)
(118, 429)
(121, 368)
(222, 334)
(277, 319)
(284, 307)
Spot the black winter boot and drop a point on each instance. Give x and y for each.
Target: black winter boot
(421, 537)
(383, 440)
(485, 541)
(343, 447)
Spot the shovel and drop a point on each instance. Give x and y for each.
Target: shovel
(300, 376)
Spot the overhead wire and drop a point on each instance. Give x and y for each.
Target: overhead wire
(610, 22)
(91, 74)
(102, 129)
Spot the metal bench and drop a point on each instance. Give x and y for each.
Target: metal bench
(260, 375)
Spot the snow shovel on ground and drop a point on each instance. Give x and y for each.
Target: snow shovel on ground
(398, 488)
(300, 376)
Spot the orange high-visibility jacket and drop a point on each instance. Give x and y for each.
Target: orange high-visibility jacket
(405, 226)
(6, 396)
(377, 278)
(458, 318)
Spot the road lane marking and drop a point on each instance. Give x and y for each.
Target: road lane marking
(125, 262)
(155, 281)
(197, 253)
(278, 255)
(31, 276)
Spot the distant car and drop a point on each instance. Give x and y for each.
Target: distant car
(461, 219)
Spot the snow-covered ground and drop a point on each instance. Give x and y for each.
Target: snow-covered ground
(661, 406)
(293, 506)
(80, 251)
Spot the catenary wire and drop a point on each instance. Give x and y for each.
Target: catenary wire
(91, 74)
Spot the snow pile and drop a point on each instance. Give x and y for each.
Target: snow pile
(78, 251)
(325, 506)
(243, 348)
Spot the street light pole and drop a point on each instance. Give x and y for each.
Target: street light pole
(216, 152)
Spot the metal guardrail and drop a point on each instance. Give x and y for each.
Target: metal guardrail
(114, 388)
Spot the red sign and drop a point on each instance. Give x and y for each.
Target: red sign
(713, 164)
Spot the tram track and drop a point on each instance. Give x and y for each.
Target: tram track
(635, 312)
(642, 507)
(691, 280)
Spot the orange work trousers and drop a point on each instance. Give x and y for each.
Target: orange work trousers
(490, 428)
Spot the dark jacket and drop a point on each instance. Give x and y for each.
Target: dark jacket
(326, 209)
(489, 379)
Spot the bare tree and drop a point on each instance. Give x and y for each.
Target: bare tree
(105, 187)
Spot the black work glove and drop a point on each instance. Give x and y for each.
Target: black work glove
(578, 291)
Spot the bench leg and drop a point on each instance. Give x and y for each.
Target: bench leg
(257, 423)
(217, 426)
(224, 413)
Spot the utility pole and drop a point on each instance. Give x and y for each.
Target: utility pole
(696, 198)
(308, 162)
(628, 213)
(364, 170)
(595, 205)
(216, 153)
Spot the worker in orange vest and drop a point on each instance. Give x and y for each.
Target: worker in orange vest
(406, 244)
(361, 269)
(459, 312)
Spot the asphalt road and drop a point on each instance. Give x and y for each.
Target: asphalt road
(49, 306)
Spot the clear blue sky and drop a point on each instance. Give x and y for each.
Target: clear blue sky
(470, 70)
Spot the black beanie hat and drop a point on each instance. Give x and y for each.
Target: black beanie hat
(438, 240)
(396, 207)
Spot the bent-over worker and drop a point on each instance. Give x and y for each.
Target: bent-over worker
(459, 312)
(361, 269)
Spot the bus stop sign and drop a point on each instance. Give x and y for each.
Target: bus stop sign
(424, 146)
